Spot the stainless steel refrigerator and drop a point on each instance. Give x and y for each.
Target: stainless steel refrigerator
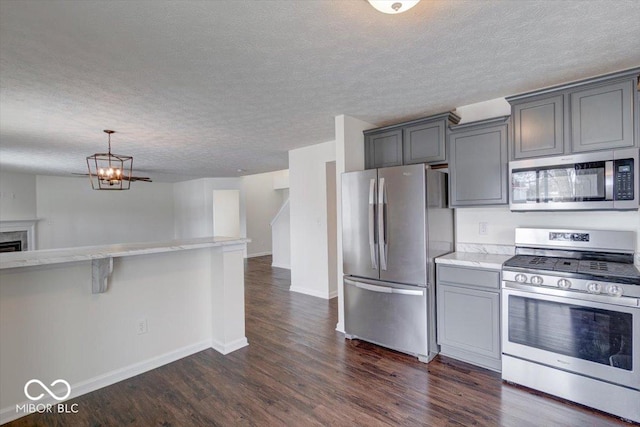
(395, 221)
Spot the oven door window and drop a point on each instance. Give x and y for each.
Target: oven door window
(595, 335)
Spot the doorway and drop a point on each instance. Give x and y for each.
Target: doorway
(226, 213)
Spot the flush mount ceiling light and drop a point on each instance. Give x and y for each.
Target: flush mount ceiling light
(393, 6)
(110, 171)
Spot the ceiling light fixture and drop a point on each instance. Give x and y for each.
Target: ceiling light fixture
(393, 6)
(110, 171)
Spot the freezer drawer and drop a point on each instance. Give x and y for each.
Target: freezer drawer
(390, 315)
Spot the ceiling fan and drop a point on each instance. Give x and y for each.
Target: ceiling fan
(126, 178)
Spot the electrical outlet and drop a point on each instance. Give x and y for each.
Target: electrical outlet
(142, 326)
(482, 228)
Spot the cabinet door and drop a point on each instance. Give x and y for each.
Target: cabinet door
(602, 117)
(478, 166)
(383, 149)
(424, 143)
(538, 127)
(469, 320)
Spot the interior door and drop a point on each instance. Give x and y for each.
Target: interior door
(402, 224)
(359, 239)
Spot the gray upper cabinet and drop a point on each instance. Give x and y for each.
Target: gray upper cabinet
(425, 142)
(478, 163)
(383, 149)
(602, 117)
(595, 114)
(538, 127)
(417, 141)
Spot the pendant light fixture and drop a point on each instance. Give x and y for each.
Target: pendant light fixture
(110, 171)
(393, 6)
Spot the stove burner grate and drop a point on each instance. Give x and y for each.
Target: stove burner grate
(570, 265)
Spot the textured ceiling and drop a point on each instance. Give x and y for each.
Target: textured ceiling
(203, 88)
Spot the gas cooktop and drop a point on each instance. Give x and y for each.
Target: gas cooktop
(604, 269)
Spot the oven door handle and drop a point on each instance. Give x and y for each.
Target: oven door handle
(578, 296)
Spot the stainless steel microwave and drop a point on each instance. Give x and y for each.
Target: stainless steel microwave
(587, 181)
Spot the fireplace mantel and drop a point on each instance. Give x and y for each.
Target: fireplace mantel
(28, 225)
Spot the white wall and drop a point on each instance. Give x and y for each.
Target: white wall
(501, 223)
(72, 214)
(75, 215)
(484, 110)
(309, 264)
(280, 179)
(17, 196)
(264, 196)
(190, 211)
(349, 157)
(193, 206)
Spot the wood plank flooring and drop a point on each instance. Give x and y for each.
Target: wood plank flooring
(298, 371)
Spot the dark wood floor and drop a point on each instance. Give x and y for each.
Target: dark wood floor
(298, 371)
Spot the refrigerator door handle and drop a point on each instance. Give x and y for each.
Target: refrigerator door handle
(382, 238)
(385, 289)
(417, 293)
(374, 288)
(373, 249)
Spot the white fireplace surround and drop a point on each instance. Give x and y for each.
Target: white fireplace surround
(28, 225)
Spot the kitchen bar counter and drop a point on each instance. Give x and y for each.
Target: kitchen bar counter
(88, 253)
(472, 259)
(96, 315)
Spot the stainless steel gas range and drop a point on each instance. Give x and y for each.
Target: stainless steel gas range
(571, 317)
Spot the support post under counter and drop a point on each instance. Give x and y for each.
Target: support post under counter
(227, 299)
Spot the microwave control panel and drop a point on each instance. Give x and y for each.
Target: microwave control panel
(623, 179)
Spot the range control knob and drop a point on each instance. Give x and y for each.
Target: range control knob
(536, 280)
(564, 284)
(614, 290)
(594, 288)
(521, 278)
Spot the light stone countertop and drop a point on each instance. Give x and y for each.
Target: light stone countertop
(472, 259)
(87, 253)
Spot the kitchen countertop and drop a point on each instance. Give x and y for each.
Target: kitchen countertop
(472, 259)
(87, 253)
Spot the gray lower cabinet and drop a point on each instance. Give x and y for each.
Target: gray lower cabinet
(590, 115)
(478, 163)
(417, 141)
(468, 315)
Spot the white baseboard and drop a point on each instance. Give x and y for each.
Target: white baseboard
(278, 265)
(333, 294)
(311, 292)
(340, 327)
(229, 347)
(257, 254)
(109, 378)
